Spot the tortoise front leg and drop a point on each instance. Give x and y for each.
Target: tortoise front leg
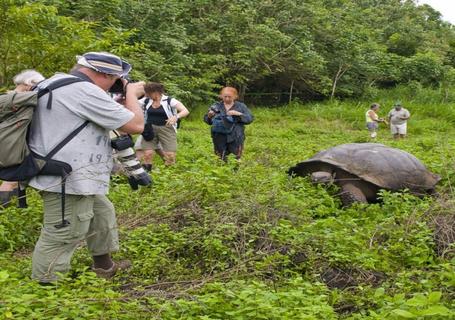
(351, 193)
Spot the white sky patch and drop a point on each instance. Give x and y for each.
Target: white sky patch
(445, 7)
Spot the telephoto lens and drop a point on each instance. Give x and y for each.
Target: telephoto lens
(137, 176)
(125, 154)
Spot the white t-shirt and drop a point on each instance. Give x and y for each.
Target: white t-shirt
(89, 153)
(396, 115)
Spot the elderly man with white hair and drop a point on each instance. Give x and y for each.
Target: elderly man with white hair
(24, 81)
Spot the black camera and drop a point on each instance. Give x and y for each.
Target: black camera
(118, 87)
(122, 142)
(214, 108)
(125, 154)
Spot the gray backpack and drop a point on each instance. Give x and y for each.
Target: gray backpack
(17, 162)
(16, 112)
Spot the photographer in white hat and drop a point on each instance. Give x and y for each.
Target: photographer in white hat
(89, 214)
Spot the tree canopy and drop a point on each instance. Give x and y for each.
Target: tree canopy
(311, 49)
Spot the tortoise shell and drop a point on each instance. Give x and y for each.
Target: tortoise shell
(383, 166)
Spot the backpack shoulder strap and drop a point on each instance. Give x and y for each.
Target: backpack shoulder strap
(65, 141)
(55, 85)
(146, 102)
(52, 86)
(173, 110)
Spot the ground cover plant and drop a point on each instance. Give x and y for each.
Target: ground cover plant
(244, 241)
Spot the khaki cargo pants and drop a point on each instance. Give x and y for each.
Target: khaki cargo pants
(92, 218)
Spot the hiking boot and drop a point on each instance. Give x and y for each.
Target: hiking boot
(109, 273)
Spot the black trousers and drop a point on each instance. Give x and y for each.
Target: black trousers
(223, 148)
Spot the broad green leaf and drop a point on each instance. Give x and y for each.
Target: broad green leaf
(404, 313)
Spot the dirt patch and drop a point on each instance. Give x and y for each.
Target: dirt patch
(344, 278)
(345, 308)
(178, 217)
(444, 235)
(441, 218)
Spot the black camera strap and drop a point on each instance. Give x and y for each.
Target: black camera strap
(81, 75)
(144, 106)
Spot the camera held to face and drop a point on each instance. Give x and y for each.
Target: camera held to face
(214, 108)
(119, 86)
(126, 155)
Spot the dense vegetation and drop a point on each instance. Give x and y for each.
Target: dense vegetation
(271, 50)
(244, 241)
(213, 241)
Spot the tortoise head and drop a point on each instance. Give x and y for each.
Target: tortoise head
(323, 177)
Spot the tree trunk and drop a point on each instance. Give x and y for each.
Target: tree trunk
(242, 89)
(337, 77)
(290, 91)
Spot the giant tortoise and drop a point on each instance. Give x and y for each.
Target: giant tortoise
(362, 169)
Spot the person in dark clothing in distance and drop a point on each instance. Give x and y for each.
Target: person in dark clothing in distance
(227, 119)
